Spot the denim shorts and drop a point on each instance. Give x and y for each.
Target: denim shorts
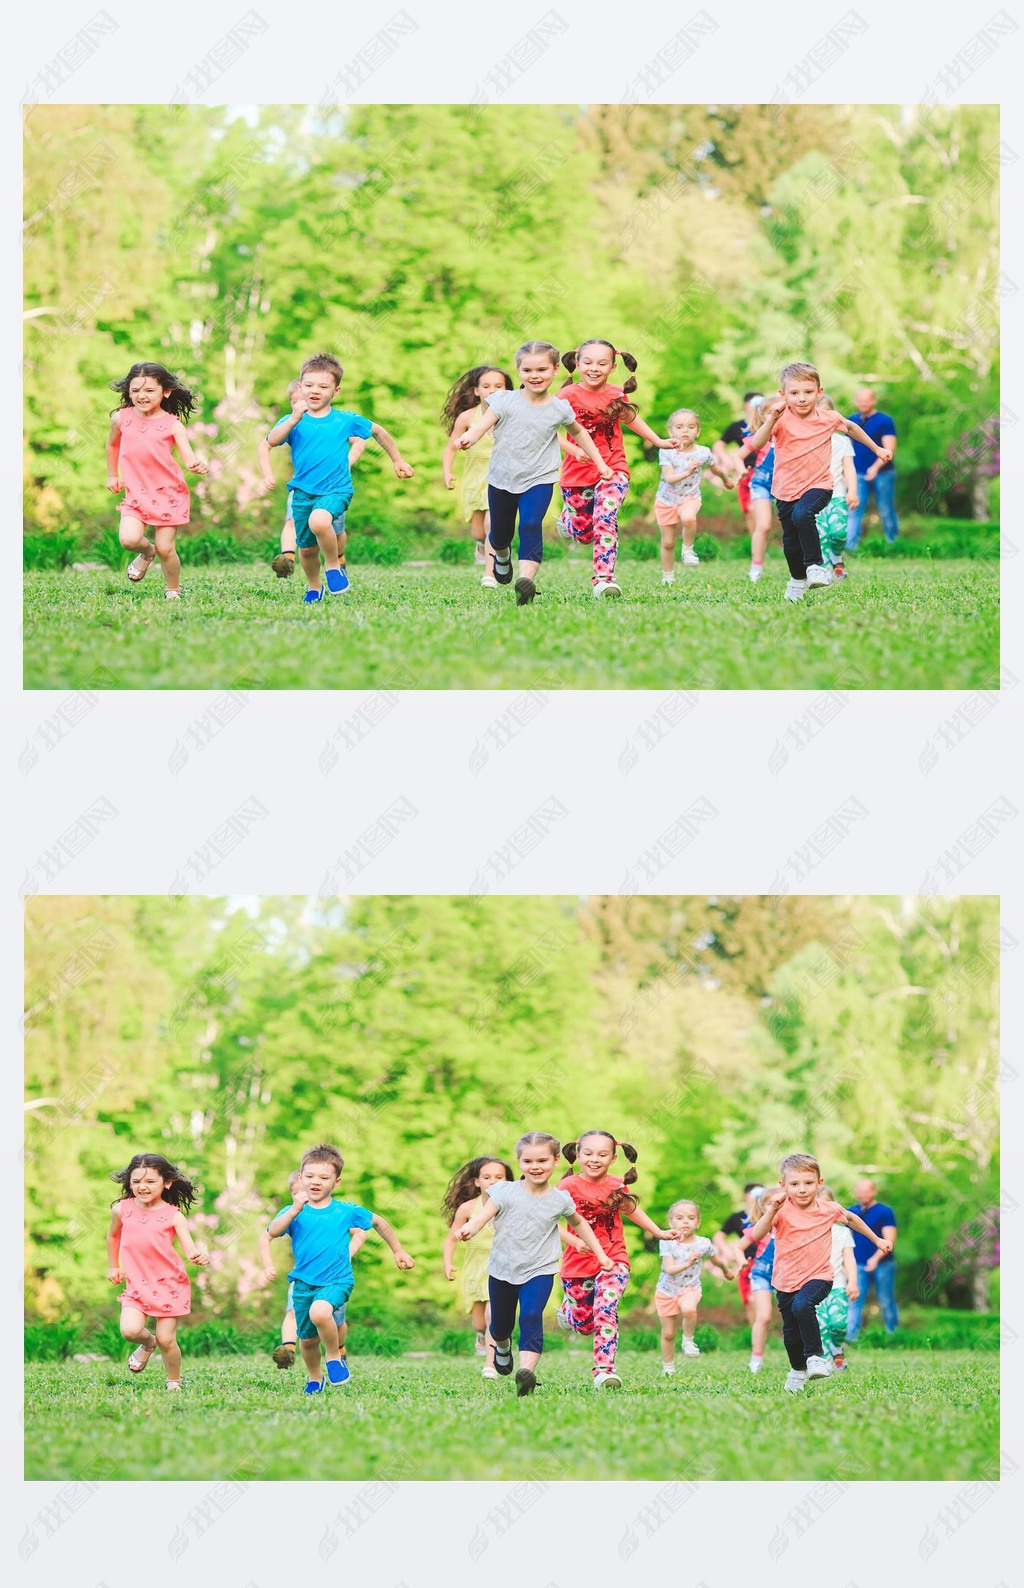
(759, 492)
(759, 1282)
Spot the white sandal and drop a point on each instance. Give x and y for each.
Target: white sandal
(134, 1365)
(137, 577)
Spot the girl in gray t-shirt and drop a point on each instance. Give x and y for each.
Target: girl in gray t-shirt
(525, 461)
(527, 1251)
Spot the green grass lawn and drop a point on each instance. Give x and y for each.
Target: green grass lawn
(893, 1414)
(892, 625)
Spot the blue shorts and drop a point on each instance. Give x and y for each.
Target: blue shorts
(758, 1282)
(288, 507)
(301, 1302)
(336, 503)
(760, 493)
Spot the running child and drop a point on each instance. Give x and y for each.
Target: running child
(591, 1294)
(459, 1206)
(802, 1273)
(526, 1250)
(761, 1287)
(833, 1312)
(144, 1225)
(761, 463)
(679, 1289)
(592, 500)
(802, 479)
(678, 498)
(834, 519)
(284, 563)
(143, 434)
(284, 1354)
(524, 463)
(464, 407)
(322, 1278)
(321, 486)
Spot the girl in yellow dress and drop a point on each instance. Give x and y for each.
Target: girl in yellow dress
(463, 1199)
(461, 410)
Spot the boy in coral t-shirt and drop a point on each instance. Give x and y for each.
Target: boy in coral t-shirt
(802, 482)
(802, 1274)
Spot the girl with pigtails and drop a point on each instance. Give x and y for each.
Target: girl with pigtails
(592, 504)
(591, 1297)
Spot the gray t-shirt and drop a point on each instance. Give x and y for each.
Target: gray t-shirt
(526, 440)
(526, 1240)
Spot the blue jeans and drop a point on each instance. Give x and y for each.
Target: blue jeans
(884, 487)
(884, 1277)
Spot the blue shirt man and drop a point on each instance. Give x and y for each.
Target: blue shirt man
(873, 476)
(872, 1269)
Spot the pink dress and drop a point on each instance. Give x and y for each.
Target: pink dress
(154, 486)
(155, 1278)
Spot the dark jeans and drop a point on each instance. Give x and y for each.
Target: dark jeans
(531, 506)
(800, 544)
(801, 1334)
(531, 1300)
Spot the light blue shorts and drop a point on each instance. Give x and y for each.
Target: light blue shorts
(339, 1312)
(760, 493)
(757, 1283)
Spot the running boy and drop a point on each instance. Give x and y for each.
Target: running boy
(802, 1275)
(284, 1354)
(802, 481)
(321, 487)
(284, 562)
(322, 1276)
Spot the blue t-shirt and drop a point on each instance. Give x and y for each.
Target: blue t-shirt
(876, 1218)
(876, 427)
(320, 450)
(320, 1241)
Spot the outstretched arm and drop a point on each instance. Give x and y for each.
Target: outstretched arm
(470, 437)
(403, 470)
(762, 435)
(883, 1241)
(386, 1233)
(462, 1215)
(882, 453)
(474, 1225)
(638, 1216)
(640, 428)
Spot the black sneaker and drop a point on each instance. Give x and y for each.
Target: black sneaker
(525, 591)
(503, 569)
(503, 1358)
(526, 1382)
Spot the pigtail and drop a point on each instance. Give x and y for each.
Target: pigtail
(629, 1178)
(569, 360)
(569, 1152)
(620, 410)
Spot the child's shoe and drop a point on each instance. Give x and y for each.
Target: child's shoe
(284, 564)
(479, 555)
(690, 558)
(607, 1381)
(337, 580)
(172, 595)
(838, 570)
(756, 570)
(503, 566)
(284, 1356)
(489, 582)
(175, 1384)
(795, 590)
(795, 1381)
(819, 577)
(756, 1364)
(481, 1345)
(839, 1362)
(338, 1372)
(525, 591)
(668, 1369)
(526, 1382)
(690, 1347)
(607, 588)
(488, 1372)
(314, 1386)
(819, 1367)
(503, 1358)
(668, 578)
(312, 595)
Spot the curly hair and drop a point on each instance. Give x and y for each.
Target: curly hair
(181, 1193)
(463, 393)
(176, 400)
(620, 1199)
(619, 409)
(463, 1183)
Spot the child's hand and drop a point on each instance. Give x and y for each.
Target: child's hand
(576, 453)
(299, 1197)
(853, 500)
(884, 456)
(299, 405)
(403, 1260)
(449, 1271)
(269, 1275)
(465, 1234)
(267, 484)
(116, 1276)
(199, 467)
(606, 472)
(607, 1263)
(465, 440)
(201, 1259)
(775, 1197)
(665, 1235)
(449, 482)
(114, 485)
(884, 1248)
(576, 1244)
(729, 483)
(775, 406)
(852, 1292)
(405, 471)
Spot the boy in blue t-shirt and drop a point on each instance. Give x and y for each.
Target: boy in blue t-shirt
(322, 1276)
(321, 487)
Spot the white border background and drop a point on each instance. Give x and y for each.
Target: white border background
(913, 814)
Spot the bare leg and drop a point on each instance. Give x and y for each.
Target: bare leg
(309, 556)
(132, 535)
(527, 569)
(688, 1304)
(167, 1340)
(762, 529)
(288, 1328)
(762, 1300)
(165, 550)
(669, 1330)
(322, 1314)
(133, 1327)
(529, 1359)
(688, 514)
(322, 525)
(288, 536)
(311, 1357)
(668, 548)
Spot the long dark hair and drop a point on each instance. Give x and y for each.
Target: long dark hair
(181, 1193)
(619, 1199)
(462, 1183)
(177, 398)
(463, 396)
(619, 409)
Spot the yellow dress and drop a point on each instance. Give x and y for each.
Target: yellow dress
(471, 487)
(472, 1281)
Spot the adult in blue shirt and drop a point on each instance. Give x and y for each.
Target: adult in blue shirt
(878, 1216)
(871, 474)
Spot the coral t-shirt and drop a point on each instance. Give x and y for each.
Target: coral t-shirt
(590, 408)
(590, 1197)
(803, 453)
(803, 1243)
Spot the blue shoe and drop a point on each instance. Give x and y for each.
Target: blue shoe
(313, 1386)
(338, 1372)
(313, 595)
(337, 580)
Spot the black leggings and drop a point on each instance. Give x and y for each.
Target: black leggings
(531, 506)
(801, 1334)
(801, 546)
(531, 1298)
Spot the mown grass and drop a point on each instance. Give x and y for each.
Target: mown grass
(903, 1416)
(893, 624)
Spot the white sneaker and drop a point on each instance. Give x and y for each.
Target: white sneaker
(607, 587)
(755, 573)
(819, 1367)
(795, 590)
(795, 1381)
(489, 1372)
(607, 1381)
(668, 578)
(756, 1364)
(690, 558)
(817, 575)
(668, 1369)
(690, 1348)
(489, 582)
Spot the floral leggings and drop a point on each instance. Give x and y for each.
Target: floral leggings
(591, 513)
(591, 1306)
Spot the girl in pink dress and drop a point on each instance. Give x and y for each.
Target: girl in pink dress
(143, 434)
(141, 1256)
